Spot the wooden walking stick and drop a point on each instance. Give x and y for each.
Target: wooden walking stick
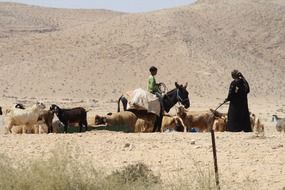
(215, 159)
(220, 106)
(215, 153)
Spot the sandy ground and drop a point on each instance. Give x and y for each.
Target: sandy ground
(89, 58)
(245, 161)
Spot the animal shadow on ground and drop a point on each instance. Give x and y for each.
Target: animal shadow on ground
(74, 129)
(117, 128)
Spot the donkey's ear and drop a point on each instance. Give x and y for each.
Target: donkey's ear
(177, 85)
(186, 85)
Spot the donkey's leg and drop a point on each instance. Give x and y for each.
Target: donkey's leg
(86, 125)
(157, 124)
(65, 127)
(80, 127)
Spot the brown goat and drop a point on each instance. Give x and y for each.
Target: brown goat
(201, 120)
(136, 122)
(47, 116)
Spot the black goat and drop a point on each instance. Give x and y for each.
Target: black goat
(73, 115)
(1, 110)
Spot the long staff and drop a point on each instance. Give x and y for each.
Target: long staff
(215, 153)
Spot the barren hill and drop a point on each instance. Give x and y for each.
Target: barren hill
(98, 54)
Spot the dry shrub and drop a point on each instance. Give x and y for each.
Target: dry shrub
(62, 171)
(137, 176)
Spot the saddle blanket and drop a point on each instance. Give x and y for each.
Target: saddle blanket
(140, 99)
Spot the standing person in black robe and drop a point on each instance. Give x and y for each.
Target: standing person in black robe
(238, 114)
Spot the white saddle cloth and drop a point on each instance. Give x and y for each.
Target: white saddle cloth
(140, 99)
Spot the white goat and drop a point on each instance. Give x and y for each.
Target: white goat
(26, 117)
(280, 125)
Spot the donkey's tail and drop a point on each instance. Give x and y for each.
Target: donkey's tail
(118, 110)
(124, 101)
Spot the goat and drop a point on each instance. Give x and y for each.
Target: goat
(280, 125)
(171, 122)
(144, 125)
(17, 106)
(202, 120)
(275, 118)
(256, 126)
(134, 121)
(41, 126)
(125, 118)
(220, 124)
(73, 115)
(27, 117)
(20, 106)
(1, 110)
(47, 116)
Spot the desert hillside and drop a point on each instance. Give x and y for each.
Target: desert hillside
(95, 55)
(89, 58)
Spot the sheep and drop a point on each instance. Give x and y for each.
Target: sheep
(27, 117)
(171, 122)
(73, 115)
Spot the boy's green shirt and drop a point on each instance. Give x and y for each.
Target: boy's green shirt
(151, 86)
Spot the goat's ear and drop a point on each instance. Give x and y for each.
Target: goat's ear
(186, 85)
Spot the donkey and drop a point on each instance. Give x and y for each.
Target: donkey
(178, 94)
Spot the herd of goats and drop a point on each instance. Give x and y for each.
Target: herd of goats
(37, 119)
